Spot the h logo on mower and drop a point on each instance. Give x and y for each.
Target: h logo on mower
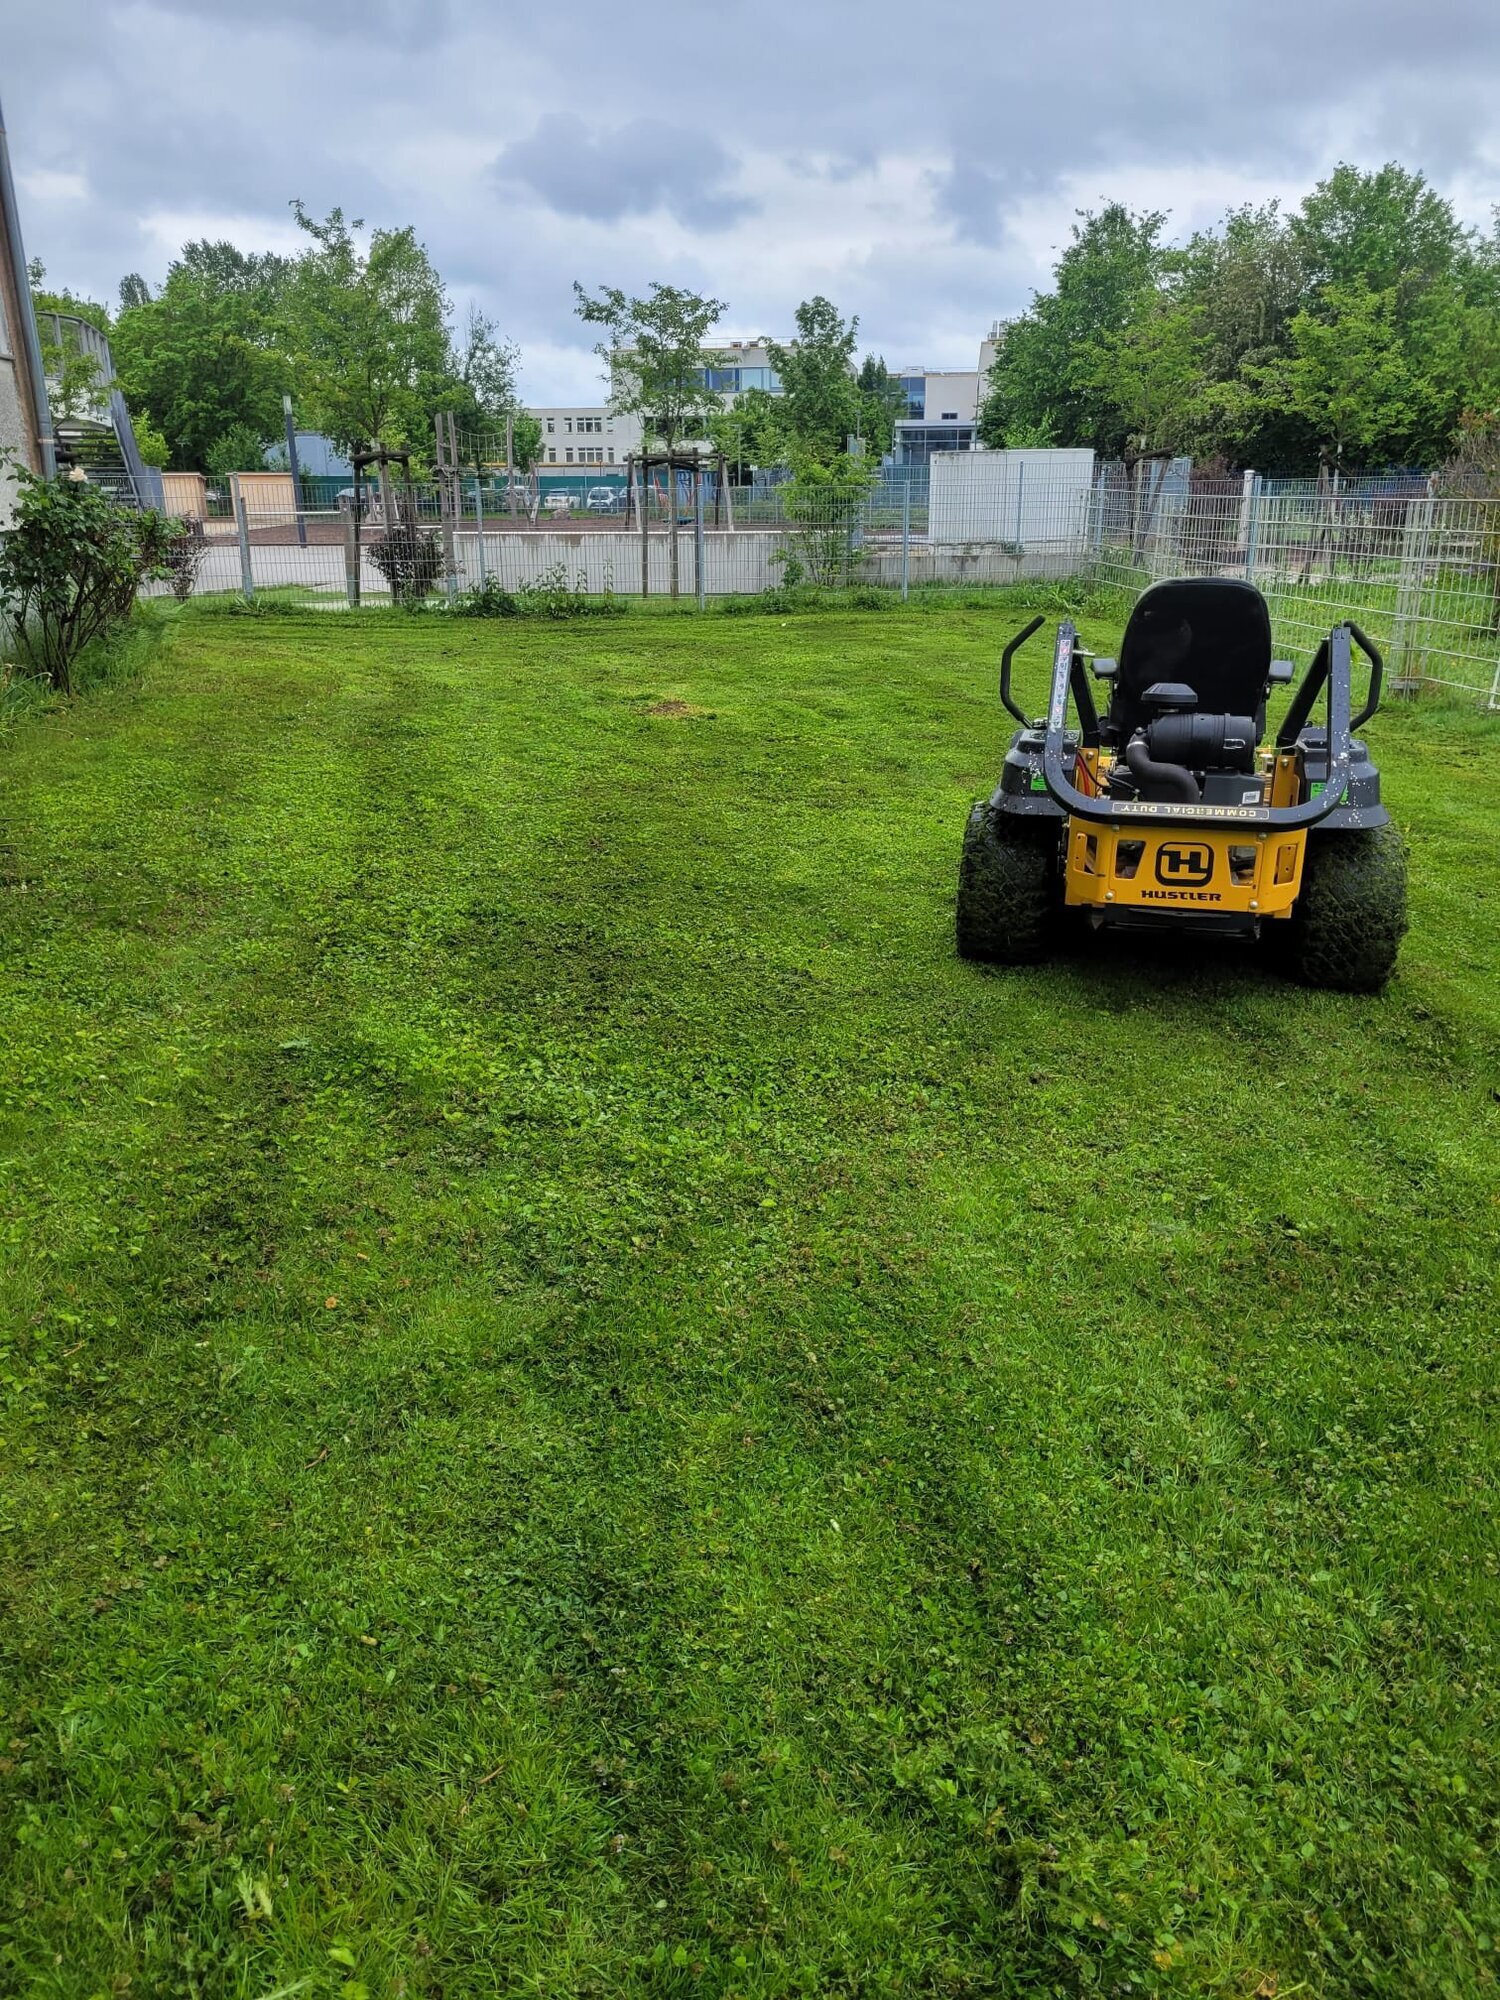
(1184, 864)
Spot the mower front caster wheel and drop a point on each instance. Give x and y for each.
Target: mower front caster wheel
(1007, 887)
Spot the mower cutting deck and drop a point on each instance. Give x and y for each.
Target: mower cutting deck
(1169, 810)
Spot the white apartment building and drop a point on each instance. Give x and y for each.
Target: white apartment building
(584, 435)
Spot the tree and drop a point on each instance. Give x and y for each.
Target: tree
(526, 441)
(1348, 376)
(134, 291)
(1151, 371)
(481, 391)
(1387, 230)
(749, 433)
(658, 359)
(821, 405)
(367, 333)
(1050, 370)
(150, 443)
(241, 448)
(206, 355)
(659, 364)
(484, 369)
(883, 404)
(822, 501)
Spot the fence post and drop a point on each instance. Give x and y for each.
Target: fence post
(905, 539)
(1020, 489)
(242, 528)
(699, 577)
(479, 522)
(351, 552)
(295, 470)
(1252, 523)
(1416, 539)
(645, 512)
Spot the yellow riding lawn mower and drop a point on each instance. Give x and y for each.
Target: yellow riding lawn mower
(1169, 811)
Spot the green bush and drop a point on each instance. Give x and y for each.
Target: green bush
(410, 560)
(70, 567)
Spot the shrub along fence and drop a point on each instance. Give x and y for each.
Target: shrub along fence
(1420, 572)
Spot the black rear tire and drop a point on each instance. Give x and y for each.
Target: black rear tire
(1350, 917)
(1007, 887)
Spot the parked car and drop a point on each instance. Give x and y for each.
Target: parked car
(557, 503)
(605, 500)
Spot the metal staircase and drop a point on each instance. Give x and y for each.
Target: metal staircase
(98, 437)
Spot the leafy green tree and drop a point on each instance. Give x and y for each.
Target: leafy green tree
(1152, 372)
(149, 442)
(1387, 230)
(1246, 281)
(883, 404)
(526, 441)
(205, 355)
(1051, 368)
(822, 500)
(1348, 376)
(47, 300)
(134, 291)
(657, 353)
(240, 449)
(820, 402)
(749, 433)
(482, 375)
(659, 361)
(367, 334)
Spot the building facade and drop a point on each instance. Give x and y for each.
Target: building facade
(577, 435)
(589, 435)
(25, 420)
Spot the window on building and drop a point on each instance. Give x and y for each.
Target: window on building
(950, 416)
(914, 388)
(567, 423)
(551, 452)
(551, 425)
(611, 454)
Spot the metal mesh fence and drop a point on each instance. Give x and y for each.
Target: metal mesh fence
(1420, 572)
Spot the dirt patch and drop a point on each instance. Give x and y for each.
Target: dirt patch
(681, 709)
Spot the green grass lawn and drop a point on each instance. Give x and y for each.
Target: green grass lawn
(588, 1411)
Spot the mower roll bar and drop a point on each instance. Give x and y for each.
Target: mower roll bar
(1335, 658)
(1078, 682)
(1296, 716)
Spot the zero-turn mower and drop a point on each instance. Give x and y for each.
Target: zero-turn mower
(1168, 811)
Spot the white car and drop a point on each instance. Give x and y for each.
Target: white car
(604, 500)
(557, 503)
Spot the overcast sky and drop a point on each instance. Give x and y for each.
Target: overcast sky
(918, 164)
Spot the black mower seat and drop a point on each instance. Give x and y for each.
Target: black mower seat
(1212, 634)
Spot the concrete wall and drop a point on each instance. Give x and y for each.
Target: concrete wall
(1021, 498)
(735, 564)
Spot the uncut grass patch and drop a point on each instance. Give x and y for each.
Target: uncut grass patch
(588, 1411)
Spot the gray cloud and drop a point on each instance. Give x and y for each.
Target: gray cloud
(919, 169)
(632, 169)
